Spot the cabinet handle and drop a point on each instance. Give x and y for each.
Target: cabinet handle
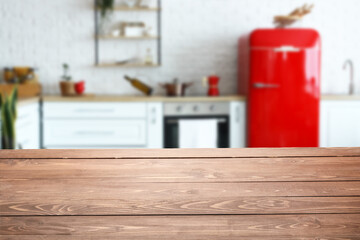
(153, 116)
(176, 121)
(95, 110)
(265, 85)
(94, 133)
(287, 49)
(237, 114)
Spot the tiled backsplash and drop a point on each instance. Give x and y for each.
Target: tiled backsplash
(200, 37)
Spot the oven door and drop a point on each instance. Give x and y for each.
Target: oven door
(172, 133)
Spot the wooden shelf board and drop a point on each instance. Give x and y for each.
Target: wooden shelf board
(128, 38)
(136, 9)
(129, 65)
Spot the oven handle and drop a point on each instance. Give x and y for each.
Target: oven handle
(175, 121)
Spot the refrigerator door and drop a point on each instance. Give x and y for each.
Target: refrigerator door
(284, 96)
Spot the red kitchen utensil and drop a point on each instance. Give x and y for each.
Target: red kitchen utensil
(80, 87)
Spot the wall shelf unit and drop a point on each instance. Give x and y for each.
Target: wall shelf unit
(98, 37)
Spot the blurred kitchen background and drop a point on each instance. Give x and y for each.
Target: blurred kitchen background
(169, 47)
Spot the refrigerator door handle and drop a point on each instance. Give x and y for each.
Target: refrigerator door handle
(265, 85)
(287, 49)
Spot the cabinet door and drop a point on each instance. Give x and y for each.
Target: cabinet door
(237, 124)
(28, 127)
(340, 124)
(155, 125)
(284, 98)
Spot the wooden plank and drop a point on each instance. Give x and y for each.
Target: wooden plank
(183, 153)
(89, 237)
(220, 205)
(187, 227)
(178, 237)
(186, 170)
(180, 194)
(108, 197)
(110, 188)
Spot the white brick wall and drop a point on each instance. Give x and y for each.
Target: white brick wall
(200, 37)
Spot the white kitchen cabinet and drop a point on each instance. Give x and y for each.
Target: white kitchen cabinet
(102, 125)
(155, 132)
(27, 126)
(237, 124)
(340, 123)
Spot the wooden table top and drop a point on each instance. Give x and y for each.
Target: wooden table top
(182, 194)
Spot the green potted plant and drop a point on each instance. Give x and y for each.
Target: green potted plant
(8, 118)
(67, 86)
(105, 7)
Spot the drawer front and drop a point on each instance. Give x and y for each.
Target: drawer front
(94, 133)
(96, 110)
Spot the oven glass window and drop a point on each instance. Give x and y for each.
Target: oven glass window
(172, 136)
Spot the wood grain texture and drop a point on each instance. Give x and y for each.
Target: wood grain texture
(234, 205)
(111, 188)
(187, 227)
(179, 236)
(187, 170)
(108, 196)
(180, 194)
(181, 153)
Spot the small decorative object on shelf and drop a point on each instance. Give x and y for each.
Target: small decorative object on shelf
(134, 60)
(80, 87)
(114, 33)
(149, 57)
(132, 29)
(136, 83)
(8, 118)
(67, 86)
(147, 31)
(283, 21)
(142, 4)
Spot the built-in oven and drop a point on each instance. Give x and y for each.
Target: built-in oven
(175, 112)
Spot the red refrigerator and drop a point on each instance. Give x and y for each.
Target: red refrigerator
(284, 88)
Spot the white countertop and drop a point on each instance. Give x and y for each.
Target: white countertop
(341, 97)
(98, 98)
(119, 98)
